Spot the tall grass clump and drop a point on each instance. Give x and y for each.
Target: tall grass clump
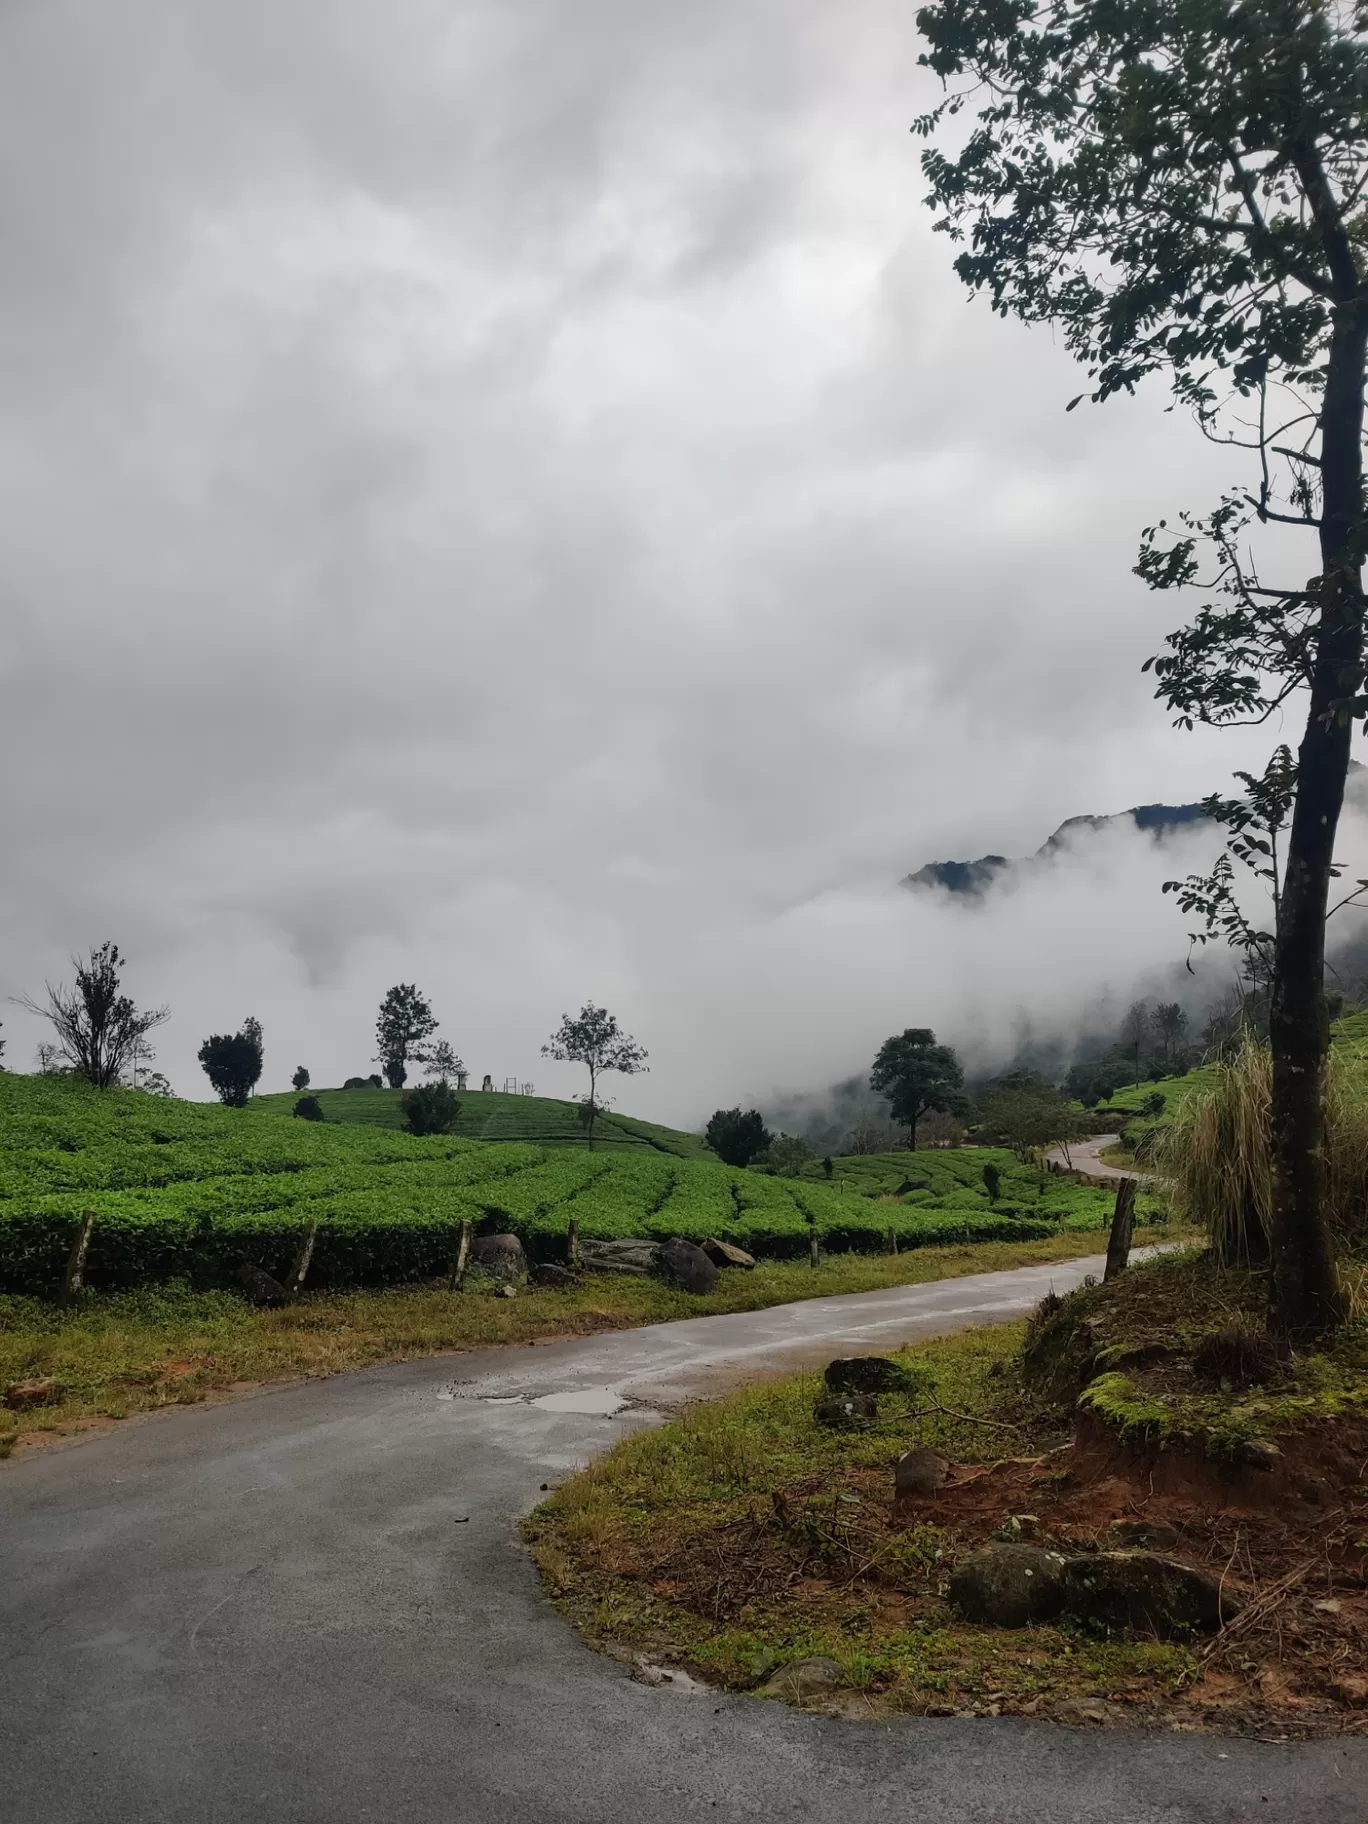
(1218, 1156)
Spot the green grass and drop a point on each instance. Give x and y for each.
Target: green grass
(116, 1353)
(492, 1115)
(744, 1536)
(192, 1190)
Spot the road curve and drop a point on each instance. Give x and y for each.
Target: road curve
(311, 1607)
(1082, 1156)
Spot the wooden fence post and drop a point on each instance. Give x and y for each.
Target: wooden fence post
(892, 1241)
(1123, 1222)
(294, 1285)
(813, 1257)
(74, 1278)
(458, 1266)
(572, 1251)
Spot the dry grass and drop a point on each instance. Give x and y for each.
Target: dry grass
(121, 1353)
(1217, 1154)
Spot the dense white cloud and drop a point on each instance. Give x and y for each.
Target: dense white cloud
(515, 498)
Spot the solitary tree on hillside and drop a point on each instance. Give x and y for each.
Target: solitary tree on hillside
(735, 1137)
(914, 1074)
(440, 1063)
(1180, 187)
(232, 1062)
(404, 1022)
(300, 1079)
(98, 1028)
(594, 1038)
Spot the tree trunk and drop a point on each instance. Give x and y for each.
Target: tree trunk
(1303, 1300)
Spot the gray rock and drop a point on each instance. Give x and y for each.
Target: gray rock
(921, 1472)
(686, 1266)
(804, 1678)
(551, 1273)
(864, 1374)
(619, 1256)
(1260, 1453)
(1143, 1590)
(1008, 1586)
(726, 1254)
(260, 1288)
(844, 1411)
(501, 1256)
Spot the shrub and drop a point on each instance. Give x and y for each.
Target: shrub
(992, 1181)
(430, 1110)
(1218, 1154)
(307, 1109)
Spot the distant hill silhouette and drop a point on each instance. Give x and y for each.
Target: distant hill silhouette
(972, 879)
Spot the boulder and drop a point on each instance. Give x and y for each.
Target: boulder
(724, 1254)
(1143, 1590)
(260, 1288)
(551, 1273)
(844, 1411)
(685, 1266)
(864, 1374)
(23, 1396)
(1008, 1586)
(618, 1256)
(804, 1678)
(920, 1472)
(501, 1256)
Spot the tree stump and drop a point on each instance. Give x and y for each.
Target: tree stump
(1122, 1224)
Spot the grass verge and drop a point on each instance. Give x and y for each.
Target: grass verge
(121, 1353)
(744, 1536)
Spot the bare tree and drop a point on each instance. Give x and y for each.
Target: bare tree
(98, 1029)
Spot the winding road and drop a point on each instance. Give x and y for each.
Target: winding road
(1084, 1156)
(310, 1606)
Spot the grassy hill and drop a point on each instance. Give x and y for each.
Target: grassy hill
(493, 1115)
(191, 1190)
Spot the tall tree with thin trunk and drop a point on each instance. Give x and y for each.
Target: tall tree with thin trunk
(404, 1023)
(1179, 186)
(594, 1038)
(99, 1030)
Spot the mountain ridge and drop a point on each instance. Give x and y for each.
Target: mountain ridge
(972, 879)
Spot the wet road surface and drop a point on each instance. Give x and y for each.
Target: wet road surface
(311, 1606)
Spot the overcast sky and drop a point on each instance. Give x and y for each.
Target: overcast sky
(511, 496)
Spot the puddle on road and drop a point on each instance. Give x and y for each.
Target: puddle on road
(601, 1402)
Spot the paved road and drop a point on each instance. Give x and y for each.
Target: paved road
(310, 1607)
(1082, 1156)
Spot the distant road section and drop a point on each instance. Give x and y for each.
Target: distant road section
(1083, 1156)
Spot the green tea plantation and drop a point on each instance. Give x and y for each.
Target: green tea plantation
(192, 1191)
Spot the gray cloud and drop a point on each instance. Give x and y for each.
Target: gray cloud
(514, 498)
